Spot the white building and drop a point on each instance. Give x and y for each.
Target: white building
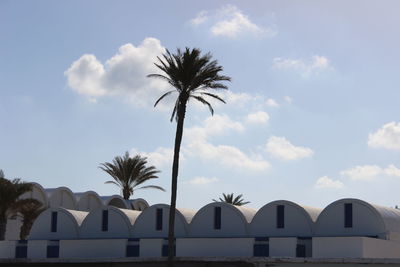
(112, 227)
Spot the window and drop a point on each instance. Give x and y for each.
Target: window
(164, 250)
(348, 215)
(261, 250)
(159, 219)
(53, 251)
(280, 216)
(217, 218)
(300, 251)
(54, 221)
(104, 221)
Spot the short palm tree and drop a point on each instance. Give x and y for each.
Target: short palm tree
(192, 76)
(228, 198)
(10, 191)
(129, 173)
(28, 210)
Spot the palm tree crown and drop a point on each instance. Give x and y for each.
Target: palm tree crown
(192, 75)
(28, 210)
(228, 198)
(128, 173)
(10, 191)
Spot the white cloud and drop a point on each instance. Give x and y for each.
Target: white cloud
(213, 125)
(326, 182)
(386, 137)
(197, 144)
(124, 74)
(229, 21)
(316, 65)
(272, 103)
(202, 180)
(370, 172)
(392, 170)
(288, 99)
(201, 17)
(229, 156)
(160, 157)
(259, 117)
(281, 148)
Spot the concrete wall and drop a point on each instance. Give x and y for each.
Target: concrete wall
(337, 247)
(151, 247)
(7, 249)
(296, 221)
(282, 247)
(37, 249)
(233, 223)
(94, 248)
(13, 229)
(214, 247)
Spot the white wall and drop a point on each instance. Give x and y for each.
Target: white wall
(151, 247)
(66, 226)
(145, 225)
(378, 248)
(37, 249)
(7, 249)
(365, 221)
(282, 247)
(232, 222)
(214, 247)
(62, 198)
(337, 247)
(296, 221)
(94, 248)
(13, 229)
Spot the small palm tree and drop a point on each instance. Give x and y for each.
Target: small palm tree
(128, 173)
(192, 75)
(228, 198)
(28, 210)
(10, 191)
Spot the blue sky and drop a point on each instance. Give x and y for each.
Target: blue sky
(312, 111)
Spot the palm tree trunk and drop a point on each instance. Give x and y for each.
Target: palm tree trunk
(174, 183)
(3, 225)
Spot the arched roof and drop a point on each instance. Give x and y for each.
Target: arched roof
(234, 219)
(54, 193)
(68, 224)
(120, 223)
(246, 214)
(145, 223)
(37, 193)
(385, 220)
(114, 200)
(138, 204)
(84, 196)
(298, 220)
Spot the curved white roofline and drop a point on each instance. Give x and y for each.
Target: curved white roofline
(310, 212)
(388, 217)
(246, 214)
(81, 195)
(42, 191)
(52, 191)
(107, 199)
(185, 215)
(132, 202)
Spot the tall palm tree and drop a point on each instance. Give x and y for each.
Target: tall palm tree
(128, 173)
(10, 191)
(228, 198)
(192, 75)
(28, 210)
